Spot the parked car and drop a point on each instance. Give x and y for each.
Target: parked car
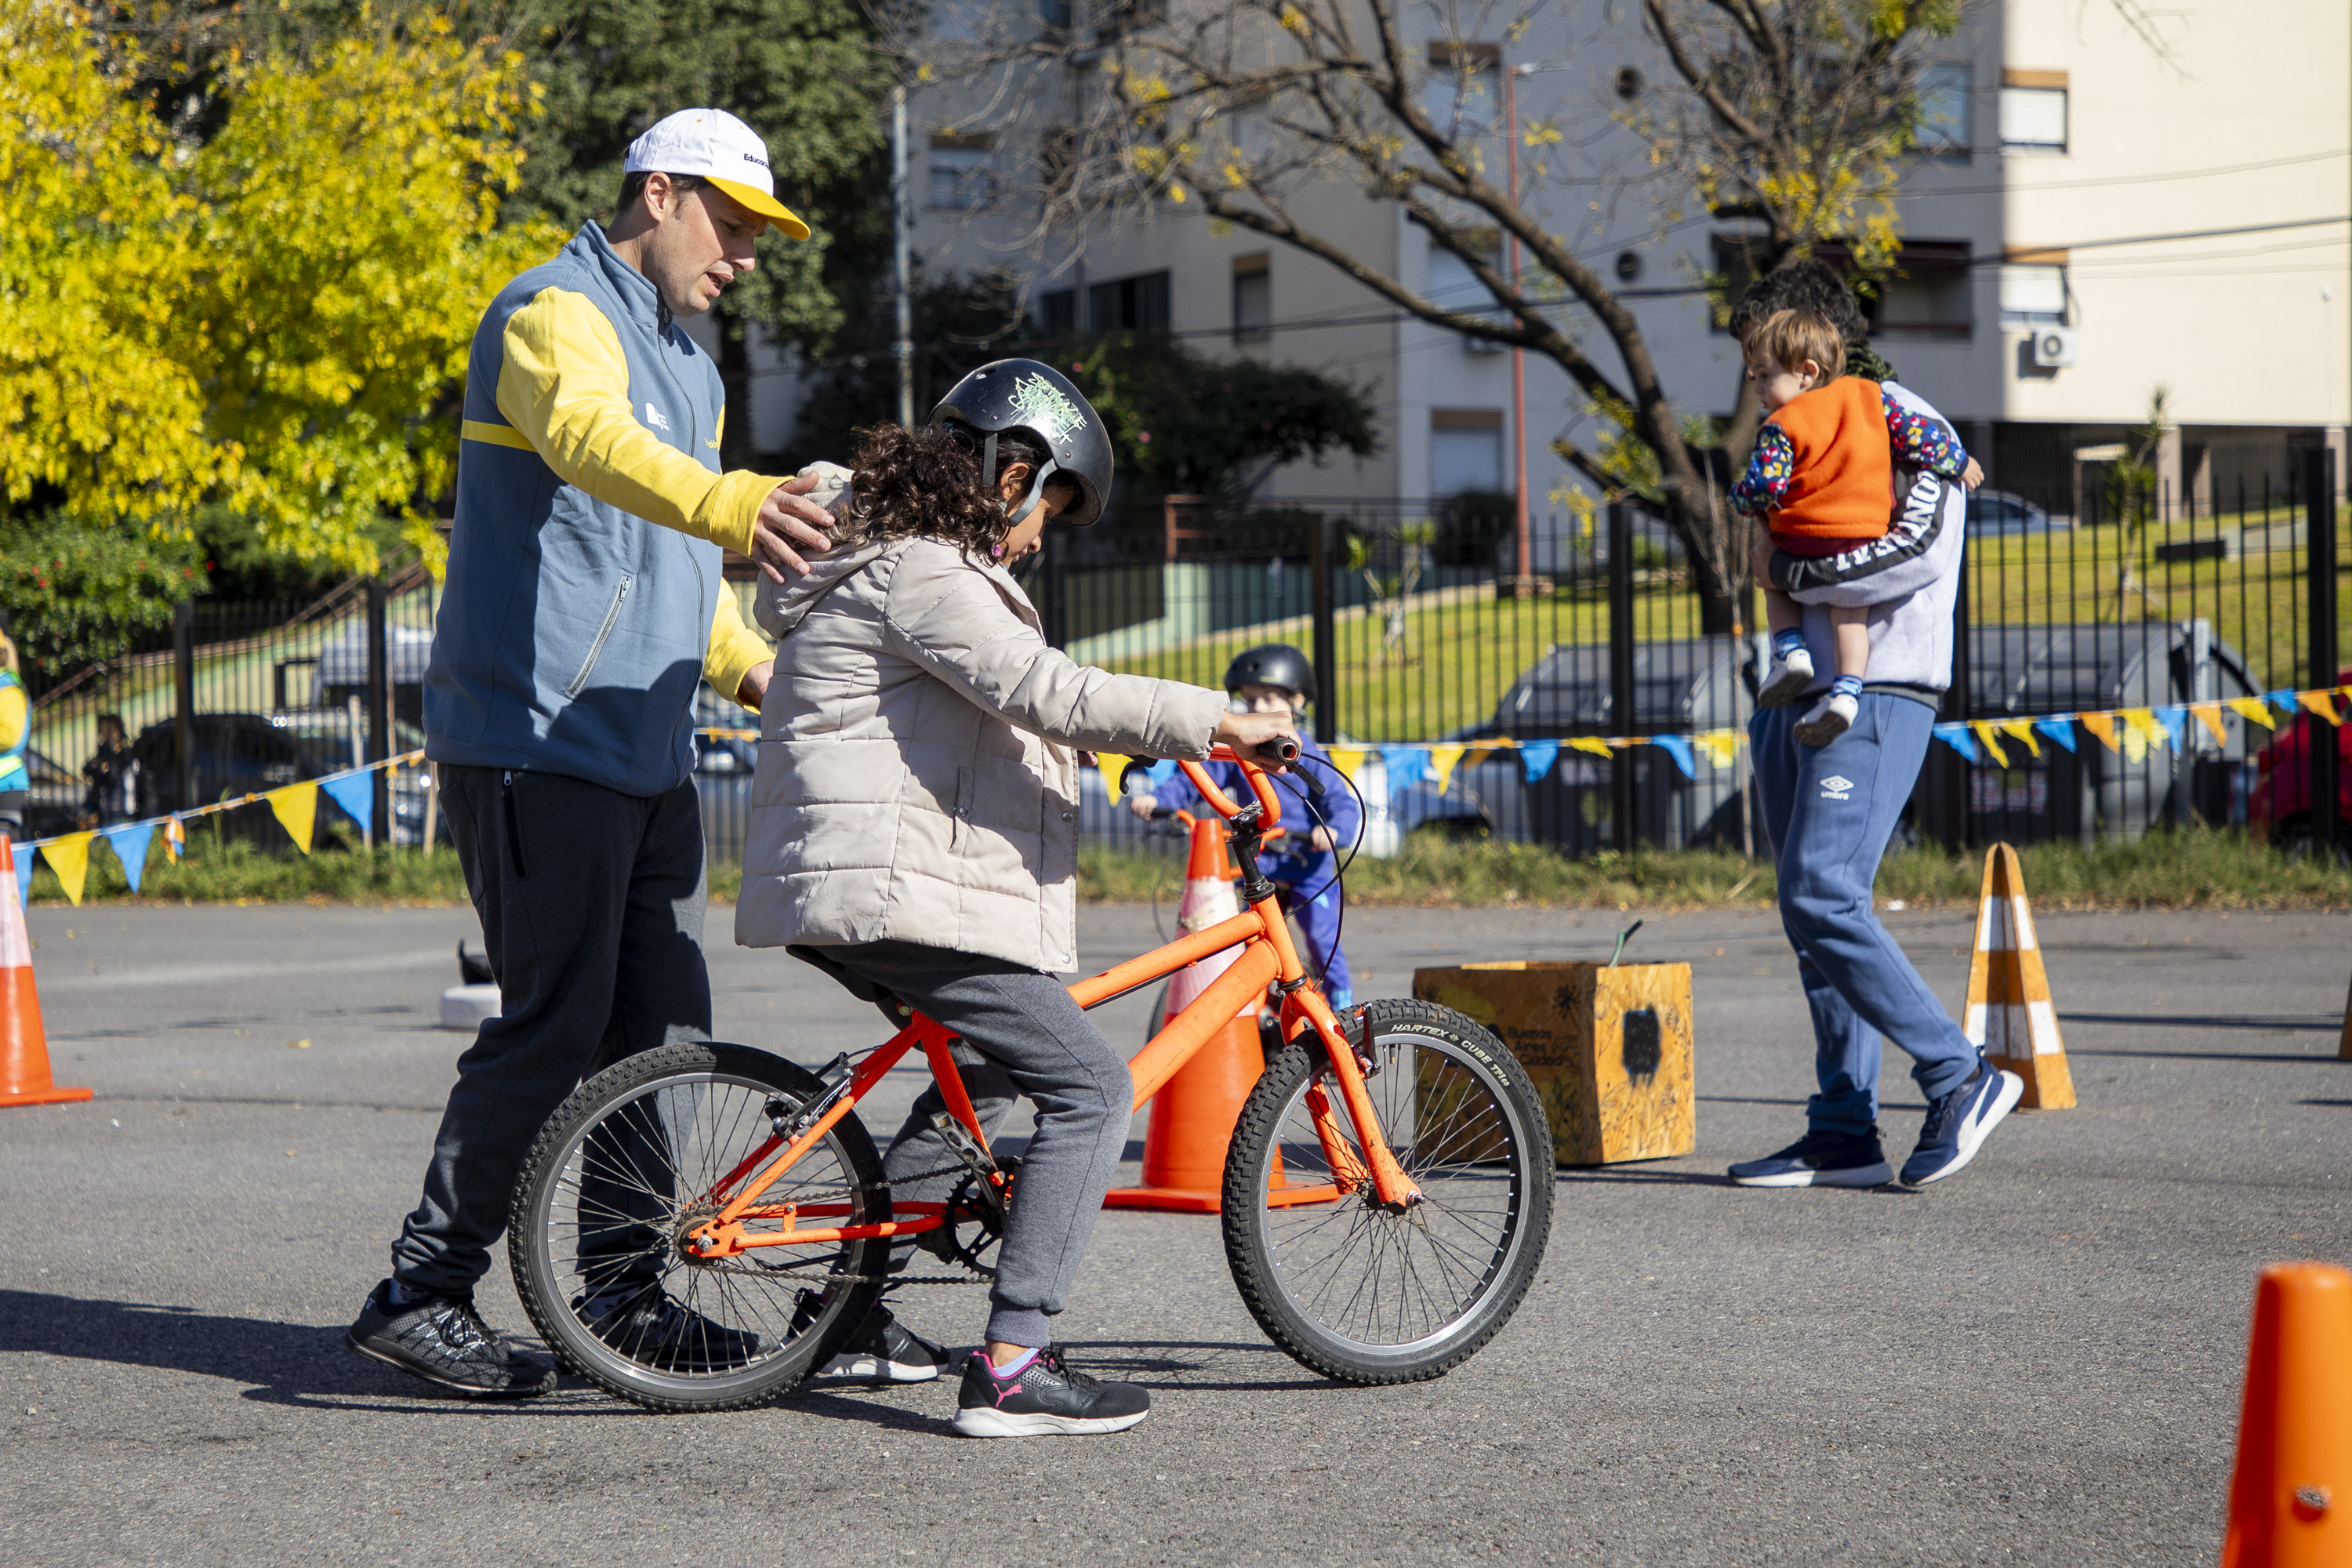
(2278, 806)
(2004, 511)
(246, 754)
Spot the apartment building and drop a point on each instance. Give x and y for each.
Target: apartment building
(2097, 211)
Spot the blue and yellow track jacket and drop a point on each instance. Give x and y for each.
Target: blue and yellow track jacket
(583, 599)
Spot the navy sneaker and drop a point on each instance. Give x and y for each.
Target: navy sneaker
(885, 1350)
(654, 1328)
(1957, 1123)
(1819, 1159)
(1042, 1398)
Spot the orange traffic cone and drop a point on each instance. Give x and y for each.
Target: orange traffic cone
(2290, 1494)
(1193, 1115)
(2009, 1015)
(24, 1047)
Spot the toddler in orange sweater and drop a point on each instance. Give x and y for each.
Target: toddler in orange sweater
(1823, 476)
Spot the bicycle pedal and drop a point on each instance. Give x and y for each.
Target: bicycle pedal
(963, 1145)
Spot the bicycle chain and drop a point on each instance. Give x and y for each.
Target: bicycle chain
(761, 1271)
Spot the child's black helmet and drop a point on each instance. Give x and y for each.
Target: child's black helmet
(1023, 394)
(1272, 664)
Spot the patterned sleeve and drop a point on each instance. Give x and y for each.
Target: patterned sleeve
(1923, 442)
(1766, 483)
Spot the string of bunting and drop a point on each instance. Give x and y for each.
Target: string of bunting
(2132, 731)
(296, 807)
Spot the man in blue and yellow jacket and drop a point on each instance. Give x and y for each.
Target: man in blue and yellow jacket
(582, 608)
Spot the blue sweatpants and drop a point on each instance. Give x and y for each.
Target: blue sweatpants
(1318, 919)
(1829, 811)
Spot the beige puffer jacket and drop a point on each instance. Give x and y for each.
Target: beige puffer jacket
(917, 778)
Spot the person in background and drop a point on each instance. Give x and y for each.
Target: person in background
(113, 773)
(1304, 863)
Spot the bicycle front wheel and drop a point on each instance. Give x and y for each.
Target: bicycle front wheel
(633, 1161)
(1365, 1296)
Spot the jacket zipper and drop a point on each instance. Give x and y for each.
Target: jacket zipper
(514, 827)
(611, 614)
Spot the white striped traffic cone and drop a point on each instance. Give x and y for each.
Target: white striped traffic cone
(2010, 1016)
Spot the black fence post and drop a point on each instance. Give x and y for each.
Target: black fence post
(1957, 767)
(2319, 535)
(379, 709)
(1326, 633)
(1621, 670)
(184, 703)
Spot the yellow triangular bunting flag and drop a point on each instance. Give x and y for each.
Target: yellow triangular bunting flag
(1441, 763)
(1114, 768)
(1348, 759)
(297, 805)
(2322, 703)
(1594, 744)
(2209, 715)
(2021, 730)
(176, 840)
(1985, 738)
(1721, 746)
(2255, 709)
(69, 859)
(2103, 725)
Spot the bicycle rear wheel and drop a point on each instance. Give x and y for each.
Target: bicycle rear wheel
(1369, 1297)
(626, 1167)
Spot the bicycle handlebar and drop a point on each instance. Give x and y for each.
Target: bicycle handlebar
(1269, 803)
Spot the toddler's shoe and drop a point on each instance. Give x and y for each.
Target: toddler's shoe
(1786, 679)
(1833, 716)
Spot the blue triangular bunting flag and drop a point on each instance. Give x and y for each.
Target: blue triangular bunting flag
(1957, 736)
(129, 845)
(2059, 729)
(2283, 700)
(355, 793)
(1160, 771)
(1406, 766)
(1679, 748)
(1536, 757)
(25, 873)
(2173, 719)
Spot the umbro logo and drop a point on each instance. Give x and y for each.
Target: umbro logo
(655, 417)
(1837, 786)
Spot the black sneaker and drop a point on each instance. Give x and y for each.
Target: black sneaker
(654, 1330)
(1043, 1399)
(1819, 1159)
(1957, 1123)
(885, 1350)
(443, 1341)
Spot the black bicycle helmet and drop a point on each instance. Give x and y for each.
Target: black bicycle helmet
(1273, 664)
(1023, 394)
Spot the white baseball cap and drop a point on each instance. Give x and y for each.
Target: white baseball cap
(720, 148)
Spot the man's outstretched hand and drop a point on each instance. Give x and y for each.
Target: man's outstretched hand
(788, 520)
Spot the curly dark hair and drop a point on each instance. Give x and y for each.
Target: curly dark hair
(925, 483)
(1816, 287)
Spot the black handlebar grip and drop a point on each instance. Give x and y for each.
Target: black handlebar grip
(1284, 749)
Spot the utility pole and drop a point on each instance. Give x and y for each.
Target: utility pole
(1524, 584)
(903, 348)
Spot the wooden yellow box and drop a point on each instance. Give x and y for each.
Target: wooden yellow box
(1609, 1049)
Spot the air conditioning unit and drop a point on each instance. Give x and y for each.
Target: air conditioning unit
(2053, 347)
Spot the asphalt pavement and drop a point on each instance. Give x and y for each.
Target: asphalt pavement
(2035, 1363)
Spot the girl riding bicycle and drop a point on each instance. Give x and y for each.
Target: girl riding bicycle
(914, 833)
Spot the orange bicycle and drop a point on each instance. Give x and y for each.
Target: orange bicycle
(1387, 1195)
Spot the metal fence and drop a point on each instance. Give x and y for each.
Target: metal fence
(2085, 597)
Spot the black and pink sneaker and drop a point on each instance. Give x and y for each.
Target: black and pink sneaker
(1038, 1397)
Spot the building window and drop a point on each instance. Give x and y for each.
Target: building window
(1739, 261)
(1463, 95)
(1926, 295)
(1137, 304)
(1253, 297)
(1453, 287)
(1057, 313)
(2034, 111)
(2033, 289)
(1465, 450)
(1943, 130)
(962, 179)
(1055, 15)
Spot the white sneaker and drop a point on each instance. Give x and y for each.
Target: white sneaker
(1833, 716)
(1786, 680)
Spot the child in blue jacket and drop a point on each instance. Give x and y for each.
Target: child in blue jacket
(1304, 862)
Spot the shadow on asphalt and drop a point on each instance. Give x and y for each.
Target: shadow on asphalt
(2207, 1056)
(2313, 1023)
(300, 1364)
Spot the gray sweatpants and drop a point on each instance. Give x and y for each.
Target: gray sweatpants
(1033, 1040)
(592, 905)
